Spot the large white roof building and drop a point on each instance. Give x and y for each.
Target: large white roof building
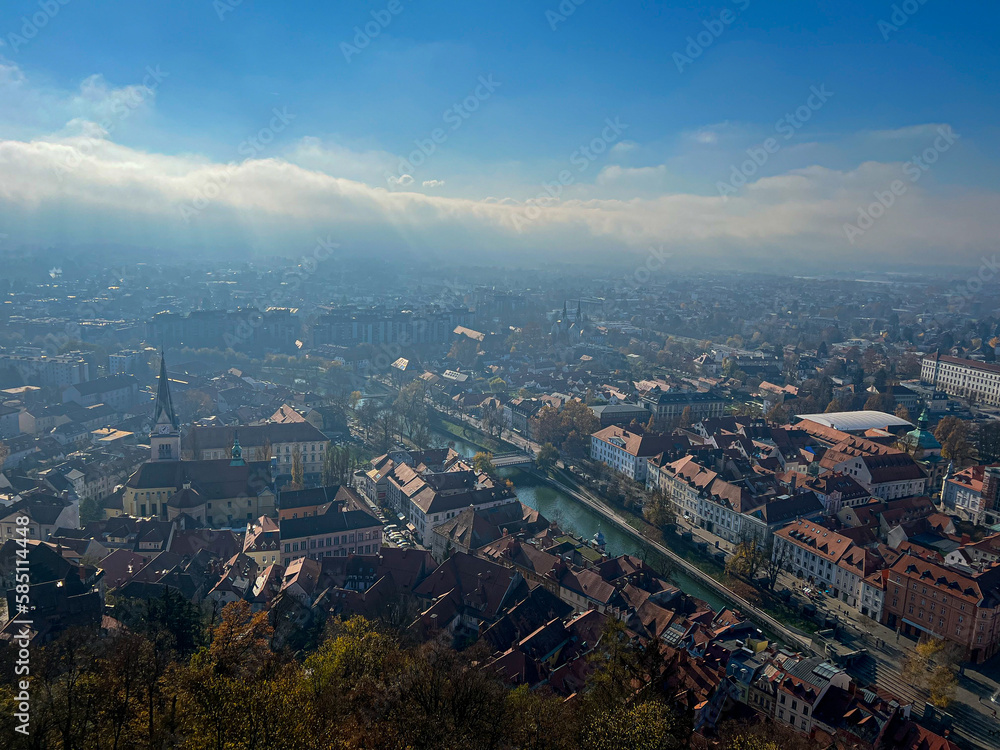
(857, 421)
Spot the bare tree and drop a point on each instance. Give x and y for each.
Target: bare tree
(263, 452)
(778, 557)
(297, 470)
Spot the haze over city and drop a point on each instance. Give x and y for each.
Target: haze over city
(558, 375)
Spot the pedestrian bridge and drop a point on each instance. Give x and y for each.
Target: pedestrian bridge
(513, 458)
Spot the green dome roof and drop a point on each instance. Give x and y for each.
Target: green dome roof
(922, 437)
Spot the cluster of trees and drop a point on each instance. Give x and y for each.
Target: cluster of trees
(956, 438)
(750, 558)
(170, 680)
(932, 665)
(339, 465)
(658, 509)
(568, 429)
(492, 419)
(546, 457)
(407, 415)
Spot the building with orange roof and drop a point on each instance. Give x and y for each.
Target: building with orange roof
(927, 598)
(825, 558)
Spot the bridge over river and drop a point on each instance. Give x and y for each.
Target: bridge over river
(512, 458)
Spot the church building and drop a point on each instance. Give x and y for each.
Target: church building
(212, 493)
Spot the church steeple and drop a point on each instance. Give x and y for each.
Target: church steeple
(165, 439)
(237, 451)
(163, 411)
(924, 421)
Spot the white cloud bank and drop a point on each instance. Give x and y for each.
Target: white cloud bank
(80, 187)
(86, 189)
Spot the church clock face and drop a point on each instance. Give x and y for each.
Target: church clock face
(163, 429)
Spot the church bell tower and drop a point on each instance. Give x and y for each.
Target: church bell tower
(165, 439)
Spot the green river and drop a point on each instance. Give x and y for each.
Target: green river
(575, 517)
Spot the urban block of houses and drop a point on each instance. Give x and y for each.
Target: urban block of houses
(824, 558)
(339, 531)
(627, 451)
(285, 440)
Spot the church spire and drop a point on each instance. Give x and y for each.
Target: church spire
(163, 411)
(165, 438)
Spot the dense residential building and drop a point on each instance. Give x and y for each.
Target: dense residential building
(262, 542)
(10, 423)
(972, 492)
(763, 521)
(873, 594)
(472, 529)
(518, 413)
(887, 477)
(125, 362)
(375, 484)
(733, 508)
(885, 472)
(626, 451)
(621, 414)
(283, 440)
(825, 558)
(121, 392)
(37, 516)
(313, 501)
(58, 370)
(924, 597)
(339, 532)
(271, 329)
(425, 496)
(838, 491)
(666, 407)
(965, 378)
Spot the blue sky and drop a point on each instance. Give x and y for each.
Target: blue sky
(338, 157)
